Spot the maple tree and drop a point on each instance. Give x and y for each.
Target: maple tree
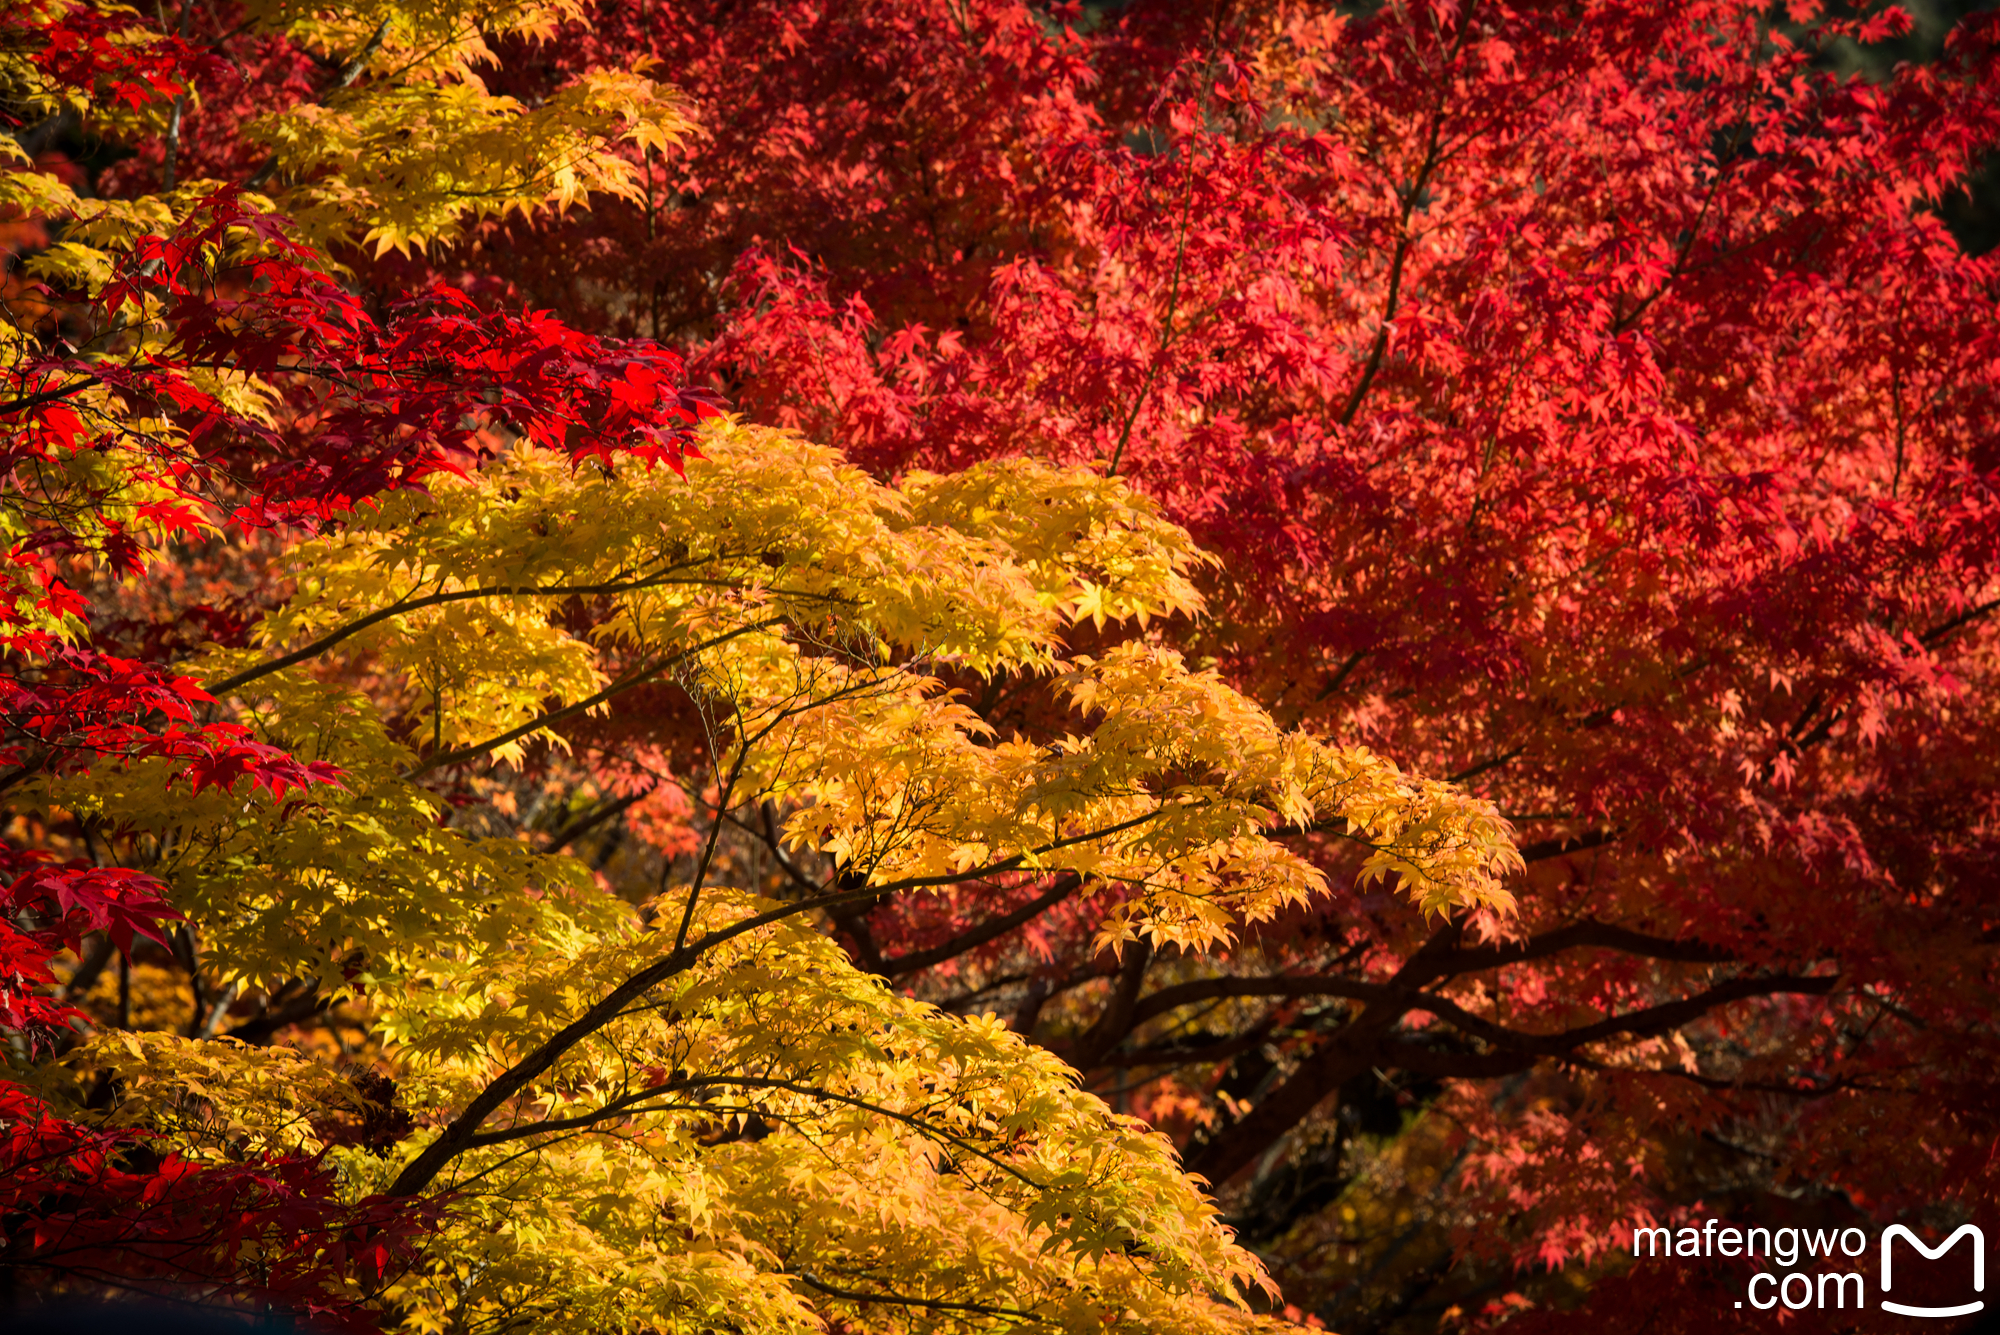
(183, 367)
(514, 1090)
(1587, 403)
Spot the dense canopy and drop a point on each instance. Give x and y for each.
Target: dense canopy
(764, 665)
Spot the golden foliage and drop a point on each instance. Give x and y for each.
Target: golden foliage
(752, 1125)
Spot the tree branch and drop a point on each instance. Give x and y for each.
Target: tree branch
(1015, 862)
(1544, 849)
(1589, 933)
(1965, 618)
(619, 687)
(1418, 185)
(28, 401)
(591, 819)
(411, 603)
(1116, 1021)
(344, 78)
(855, 1296)
(1640, 1023)
(1064, 886)
(461, 1133)
(634, 1104)
(1367, 1040)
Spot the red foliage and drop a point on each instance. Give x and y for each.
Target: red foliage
(89, 706)
(105, 1206)
(108, 56)
(375, 404)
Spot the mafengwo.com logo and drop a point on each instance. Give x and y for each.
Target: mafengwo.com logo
(1829, 1269)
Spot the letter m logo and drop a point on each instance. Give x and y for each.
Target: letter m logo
(1895, 1231)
